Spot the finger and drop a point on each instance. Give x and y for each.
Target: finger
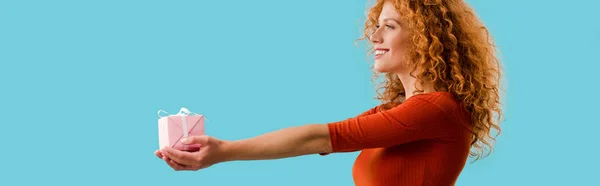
(176, 166)
(201, 139)
(173, 164)
(179, 166)
(181, 157)
(158, 154)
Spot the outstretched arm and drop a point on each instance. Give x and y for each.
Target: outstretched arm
(289, 142)
(284, 143)
(413, 120)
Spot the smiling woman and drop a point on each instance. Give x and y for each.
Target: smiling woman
(440, 103)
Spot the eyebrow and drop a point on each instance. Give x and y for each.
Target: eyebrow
(398, 22)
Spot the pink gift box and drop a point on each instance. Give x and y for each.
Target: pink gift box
(172, 128)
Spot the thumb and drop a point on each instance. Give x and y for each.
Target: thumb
(203, 140)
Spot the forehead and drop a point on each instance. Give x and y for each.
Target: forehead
(389, 11)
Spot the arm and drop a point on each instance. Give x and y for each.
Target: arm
(415, 119)
(412, 120)
(370, 111)
(366, 113)
(288, 142)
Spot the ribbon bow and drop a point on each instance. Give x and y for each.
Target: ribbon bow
(182, 112)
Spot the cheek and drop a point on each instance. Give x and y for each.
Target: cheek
(398, 53)
(397, 56)
(399, 43)
(398, 50)
(394, 61)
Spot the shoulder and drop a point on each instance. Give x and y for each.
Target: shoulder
(426, 107)
(442, 100)
(429, 106)
(422, 107)
(444, 104)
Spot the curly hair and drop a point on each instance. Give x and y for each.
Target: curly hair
(451, 48)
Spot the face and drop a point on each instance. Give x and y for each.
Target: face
(390, 41)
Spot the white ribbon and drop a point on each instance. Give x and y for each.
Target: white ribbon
(183, 112)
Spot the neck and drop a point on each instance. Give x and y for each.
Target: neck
(410, 84)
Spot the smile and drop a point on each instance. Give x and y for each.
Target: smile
(380, 52)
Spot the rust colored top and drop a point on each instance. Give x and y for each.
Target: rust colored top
(423, 141)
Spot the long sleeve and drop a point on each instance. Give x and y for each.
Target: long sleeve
(371, 111)
(425, 140)
(412, 120)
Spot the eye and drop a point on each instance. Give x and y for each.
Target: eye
(387, 26)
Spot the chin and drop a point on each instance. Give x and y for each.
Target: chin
(379, 68)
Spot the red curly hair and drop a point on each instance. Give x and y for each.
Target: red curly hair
(451, 48)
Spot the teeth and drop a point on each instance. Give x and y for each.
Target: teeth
(379, 52)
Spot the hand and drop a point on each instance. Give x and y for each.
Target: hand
(210, 153)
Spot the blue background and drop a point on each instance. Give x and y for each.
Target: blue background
(81, 82)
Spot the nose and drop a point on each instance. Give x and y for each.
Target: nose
(376, 38)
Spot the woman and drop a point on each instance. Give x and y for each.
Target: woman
(440, 103)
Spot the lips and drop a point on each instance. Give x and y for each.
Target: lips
(380, 52)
